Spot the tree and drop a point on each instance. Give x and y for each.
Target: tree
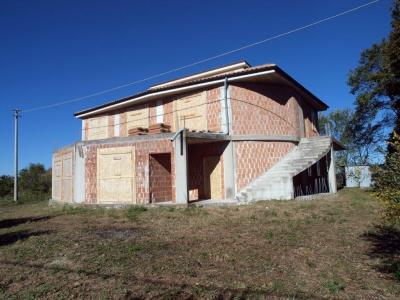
(376, 84)
(387, 182)
(336, 124)
(358, 151)
(6, 185)
(34, 182)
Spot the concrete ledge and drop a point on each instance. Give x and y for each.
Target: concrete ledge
(212, 202)
(266, 138)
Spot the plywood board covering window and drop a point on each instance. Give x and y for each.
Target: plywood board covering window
(138, 118)
(191, 112)
(116, 175)
(97, 128)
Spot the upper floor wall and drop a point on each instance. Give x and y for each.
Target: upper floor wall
(256, 109)
(267, 109)
(200, 111)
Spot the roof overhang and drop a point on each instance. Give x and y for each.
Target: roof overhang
(337, 146)
(235, 67)
(269, 73)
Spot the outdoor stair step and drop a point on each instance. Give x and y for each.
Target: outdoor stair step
(277, 183)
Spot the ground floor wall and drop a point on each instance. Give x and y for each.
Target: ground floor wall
(145, 171)
(142, 152)
(253, 158)
(206, 171)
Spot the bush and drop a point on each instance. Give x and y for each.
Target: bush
(134, 211)
(387, 182)
(34, 185)
(6, 186)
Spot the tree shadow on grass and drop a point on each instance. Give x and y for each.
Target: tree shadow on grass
(12, 237)
(14, 222)
(385, 245)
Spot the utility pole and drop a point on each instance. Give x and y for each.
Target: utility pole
(17, 115)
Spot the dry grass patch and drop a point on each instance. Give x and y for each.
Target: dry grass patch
(324, 248)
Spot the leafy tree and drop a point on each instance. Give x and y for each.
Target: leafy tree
(387, 182)
(34, 182)
(358, 151)
(376, 84)
(336, 124)
(6, 185)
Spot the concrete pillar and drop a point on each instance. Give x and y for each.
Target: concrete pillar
(332, 173)
(79, 175)
(229, 172)
(181, 169)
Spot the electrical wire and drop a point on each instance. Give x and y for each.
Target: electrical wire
(182, 109)
(202, 60)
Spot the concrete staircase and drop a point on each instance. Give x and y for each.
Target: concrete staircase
(277, 182)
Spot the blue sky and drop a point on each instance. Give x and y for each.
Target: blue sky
(52, 51)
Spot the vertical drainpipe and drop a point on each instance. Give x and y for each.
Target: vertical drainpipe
(226, 105)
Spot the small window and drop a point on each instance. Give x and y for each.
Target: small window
(318, 169)
(309, 170)
(159, 112)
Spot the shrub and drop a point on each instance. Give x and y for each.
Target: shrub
(134, 211)
(387, 182)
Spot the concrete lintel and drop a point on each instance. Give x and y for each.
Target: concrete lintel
(267, 138)
(134, 139)
(207, 135)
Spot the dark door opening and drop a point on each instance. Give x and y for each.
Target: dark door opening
(160, 181)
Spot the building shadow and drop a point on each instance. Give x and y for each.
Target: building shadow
(385, 245)
(12, 237)
(17, 221)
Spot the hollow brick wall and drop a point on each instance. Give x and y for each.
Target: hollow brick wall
(142, 151)
(160, 177)
(253, 158)
(264, 109)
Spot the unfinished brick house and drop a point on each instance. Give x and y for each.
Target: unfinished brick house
(236, 134)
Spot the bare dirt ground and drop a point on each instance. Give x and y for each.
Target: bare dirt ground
(333, 247)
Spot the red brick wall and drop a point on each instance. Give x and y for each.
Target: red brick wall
(259, 108)
(142, 151)
(254, 158)
(160, 177)
(310, 123)
(213, 113)
(214, 109)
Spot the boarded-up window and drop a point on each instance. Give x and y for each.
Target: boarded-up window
(138, 118)
(97, 128)
(116, 175)
(191, 112)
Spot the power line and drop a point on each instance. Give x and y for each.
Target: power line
(203, 60)
(186, 108)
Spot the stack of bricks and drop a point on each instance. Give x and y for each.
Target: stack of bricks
(159, 128)
(137, 131)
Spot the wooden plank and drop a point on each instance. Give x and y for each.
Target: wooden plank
(212, 177)
(191, 112)
(116, 175)
(137, 118)
(97, 128)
